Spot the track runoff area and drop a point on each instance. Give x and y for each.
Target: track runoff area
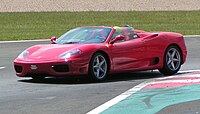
(152, 96)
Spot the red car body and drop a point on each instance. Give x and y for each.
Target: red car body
(145, 52)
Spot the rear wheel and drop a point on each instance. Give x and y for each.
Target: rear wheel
(172, 61)
(98, 67)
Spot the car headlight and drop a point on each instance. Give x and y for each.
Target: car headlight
(70, 53)
(24, 54)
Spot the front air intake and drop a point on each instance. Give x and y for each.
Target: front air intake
(18, 69)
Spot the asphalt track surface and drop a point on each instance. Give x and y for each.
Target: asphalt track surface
(74, 95)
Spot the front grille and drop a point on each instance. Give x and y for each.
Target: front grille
(18, 69)
(61, 68)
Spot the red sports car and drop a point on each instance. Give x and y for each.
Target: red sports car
(98, 51)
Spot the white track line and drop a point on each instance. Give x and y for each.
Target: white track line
(185, 71)
(178, 77)
(182, 75)
(3, 42)
(133, 90)
(2, 68)
(192, 36)
(177, 81)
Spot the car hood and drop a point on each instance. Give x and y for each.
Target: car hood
(49, 51)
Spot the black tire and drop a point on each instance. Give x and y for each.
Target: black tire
(98, 67)
(172, 61)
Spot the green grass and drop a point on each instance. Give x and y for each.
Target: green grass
(32, 25)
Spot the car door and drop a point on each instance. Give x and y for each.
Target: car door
(128, 55)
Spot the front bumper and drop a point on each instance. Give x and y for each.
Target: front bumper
(50, 68)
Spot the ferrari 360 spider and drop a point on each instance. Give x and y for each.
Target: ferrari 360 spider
(97, 51)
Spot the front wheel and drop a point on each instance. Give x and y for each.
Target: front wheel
(172, 61)
(98, 67)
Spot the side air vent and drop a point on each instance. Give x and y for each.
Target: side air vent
(154, 61)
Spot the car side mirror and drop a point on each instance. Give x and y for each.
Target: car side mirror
(53, 40)
(117, 38)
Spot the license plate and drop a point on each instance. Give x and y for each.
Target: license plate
(34, 67)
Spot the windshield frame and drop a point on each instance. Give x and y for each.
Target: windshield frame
(66, 38)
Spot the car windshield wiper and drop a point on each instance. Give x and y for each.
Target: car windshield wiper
(70, 42)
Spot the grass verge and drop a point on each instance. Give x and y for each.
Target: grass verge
(40, 25)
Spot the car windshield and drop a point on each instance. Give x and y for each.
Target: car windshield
(85, 35)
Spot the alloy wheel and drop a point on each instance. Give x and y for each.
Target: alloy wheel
(173, 59)
(100, 66)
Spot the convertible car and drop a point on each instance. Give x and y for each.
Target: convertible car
(97, 51)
